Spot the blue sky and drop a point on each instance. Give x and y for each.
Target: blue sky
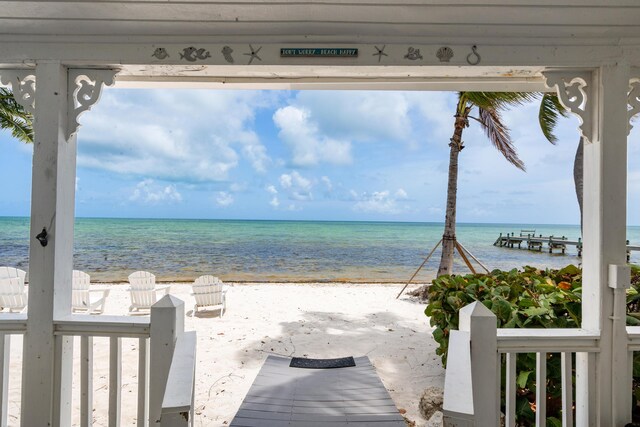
(305, 155)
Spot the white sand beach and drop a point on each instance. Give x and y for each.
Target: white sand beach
(308, 320)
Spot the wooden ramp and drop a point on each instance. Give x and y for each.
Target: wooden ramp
(283, 396)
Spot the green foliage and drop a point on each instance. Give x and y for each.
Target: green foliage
(527, 298)
(14, 118)
(530, 298)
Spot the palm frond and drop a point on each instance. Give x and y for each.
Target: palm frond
(549, 114)
(498, 134)
(499, 100)
(14, 118)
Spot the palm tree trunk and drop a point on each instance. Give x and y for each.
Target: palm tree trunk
(578, 176)
(449, 235)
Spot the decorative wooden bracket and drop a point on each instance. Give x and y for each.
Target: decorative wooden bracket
(575, 90)
(23, 85)
(634, 95)
(85, 88)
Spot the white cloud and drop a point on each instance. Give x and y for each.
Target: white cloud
(275, 202)
(309, 147)
(359, 115)
(379, 202)
(224, 199)
(401, 194)
(190, 136)
(238, 187)
(271, 189)
(327, 182)
(296, 186)
(147, 191)
(285, 181)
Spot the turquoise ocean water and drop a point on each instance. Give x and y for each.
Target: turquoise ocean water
(110, 249)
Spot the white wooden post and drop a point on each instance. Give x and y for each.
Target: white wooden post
(143, 383)
(481, 324)
(50, 266)
(599, 98)
(167, 324)
(5, 354)
(605, 202)
(115, 381)
(86, 381)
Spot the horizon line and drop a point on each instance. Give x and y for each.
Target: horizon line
(310, 220)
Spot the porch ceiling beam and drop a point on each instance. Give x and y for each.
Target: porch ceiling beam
(233, 57)
(532, 84)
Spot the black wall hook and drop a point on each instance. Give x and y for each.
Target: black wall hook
(42, 237)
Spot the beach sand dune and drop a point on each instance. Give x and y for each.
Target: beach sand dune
(305, 320)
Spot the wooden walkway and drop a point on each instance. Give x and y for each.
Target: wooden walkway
(536, 243)
(283, 396)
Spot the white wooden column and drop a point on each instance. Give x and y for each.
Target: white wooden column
(57, 97)
(50, 266)
(605, 222)
(599, 98)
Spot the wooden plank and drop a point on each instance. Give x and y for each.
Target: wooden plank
(284, 396)
(86, 381)
(178, 396)
(5, 354)
(510, 392)
(115, 381)
(143, 382)
(567, 388)
(541, 389)
(103, 326)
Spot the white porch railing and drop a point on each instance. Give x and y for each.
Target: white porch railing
(166, 363)
(473, 380)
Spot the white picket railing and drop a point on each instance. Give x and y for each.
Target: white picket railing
(166, 362)
(473, 369)
(11, 324)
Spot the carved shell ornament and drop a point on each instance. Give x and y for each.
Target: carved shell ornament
(413, 54)
(444, 54)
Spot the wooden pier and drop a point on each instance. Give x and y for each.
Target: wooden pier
(530, 241)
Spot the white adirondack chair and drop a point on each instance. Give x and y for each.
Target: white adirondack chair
(13, 272)
(144, 292)
(84, 299)
(209, 291)
(13, 295)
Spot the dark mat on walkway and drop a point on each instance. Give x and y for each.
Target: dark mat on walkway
(302, 362)
(283, 396)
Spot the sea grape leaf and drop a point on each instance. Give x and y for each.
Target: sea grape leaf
(522, 378)
(523, 408)
(553, 422)
(535, 311)
(570, 270)
(501, 308)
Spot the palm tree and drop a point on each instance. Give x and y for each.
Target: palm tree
(489, 106)
(14, 117)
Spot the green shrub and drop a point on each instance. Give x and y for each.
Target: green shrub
(528, 298)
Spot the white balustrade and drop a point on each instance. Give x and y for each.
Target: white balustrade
(470, 376)
(10, 324)
(164, 350)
